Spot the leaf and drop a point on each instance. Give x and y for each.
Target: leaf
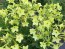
(19, 37)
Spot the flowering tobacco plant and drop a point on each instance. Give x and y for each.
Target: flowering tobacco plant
(27, 25)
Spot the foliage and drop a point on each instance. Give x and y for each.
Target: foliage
(29, 25)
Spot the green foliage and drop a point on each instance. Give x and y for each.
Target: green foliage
(27, 25)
